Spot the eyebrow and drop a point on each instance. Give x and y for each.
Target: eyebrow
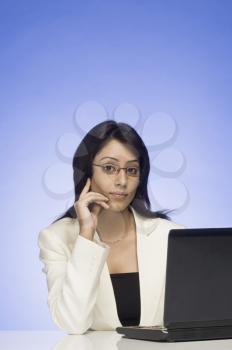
(129, 161)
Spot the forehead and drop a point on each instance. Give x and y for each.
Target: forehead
(117, 150)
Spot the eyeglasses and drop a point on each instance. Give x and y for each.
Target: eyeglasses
(110, 169)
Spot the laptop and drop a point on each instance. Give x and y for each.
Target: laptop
(198, 288)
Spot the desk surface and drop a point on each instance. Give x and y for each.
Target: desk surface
(95, 340)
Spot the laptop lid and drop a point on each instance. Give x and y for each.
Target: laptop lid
(198, 289)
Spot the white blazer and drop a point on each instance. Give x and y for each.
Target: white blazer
(80, 291)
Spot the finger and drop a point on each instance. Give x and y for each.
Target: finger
(103, 204)
(93, 204)
(95, 195)
(86, 187)
(97, 208)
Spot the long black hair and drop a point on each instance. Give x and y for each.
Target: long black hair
(92, 143)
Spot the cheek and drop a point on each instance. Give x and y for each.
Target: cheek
(136, 185)
(98, 184)
(94, 183)
(134, 190)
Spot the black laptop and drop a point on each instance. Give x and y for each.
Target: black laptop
(198, 289)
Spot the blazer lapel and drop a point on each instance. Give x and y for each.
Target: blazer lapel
(151, 255)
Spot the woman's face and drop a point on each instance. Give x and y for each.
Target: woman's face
(124, 156)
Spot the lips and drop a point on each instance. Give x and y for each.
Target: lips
(118, 195)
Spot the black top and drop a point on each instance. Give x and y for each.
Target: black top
(127, 296)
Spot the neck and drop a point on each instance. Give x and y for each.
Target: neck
(112, 225)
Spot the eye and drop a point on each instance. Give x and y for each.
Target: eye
(109, 169)
(132, 170)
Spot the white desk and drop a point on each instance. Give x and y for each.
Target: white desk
(95, 340)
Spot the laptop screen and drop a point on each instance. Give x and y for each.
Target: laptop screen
(198, 288)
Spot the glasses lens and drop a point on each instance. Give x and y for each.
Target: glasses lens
(132, 171)
(109, 169)
(113, 169)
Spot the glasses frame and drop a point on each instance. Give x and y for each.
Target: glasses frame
(118, 169)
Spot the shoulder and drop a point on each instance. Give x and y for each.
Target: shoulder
(63, 231)
(154, 226)
(170, 224)
(150, 225)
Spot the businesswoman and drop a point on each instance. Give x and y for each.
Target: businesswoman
(105, 258)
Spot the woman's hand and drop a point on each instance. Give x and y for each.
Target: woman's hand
(88, 219)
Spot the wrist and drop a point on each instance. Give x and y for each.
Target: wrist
(87, 235)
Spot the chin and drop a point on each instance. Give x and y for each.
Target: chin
(117, 207)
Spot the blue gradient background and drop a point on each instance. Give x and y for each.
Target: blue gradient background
(170, 56)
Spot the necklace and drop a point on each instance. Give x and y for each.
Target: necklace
(112, 242)
(116, 241)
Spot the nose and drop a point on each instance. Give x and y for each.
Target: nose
(121, 177)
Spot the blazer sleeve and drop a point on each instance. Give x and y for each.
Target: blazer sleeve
(72, 279)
